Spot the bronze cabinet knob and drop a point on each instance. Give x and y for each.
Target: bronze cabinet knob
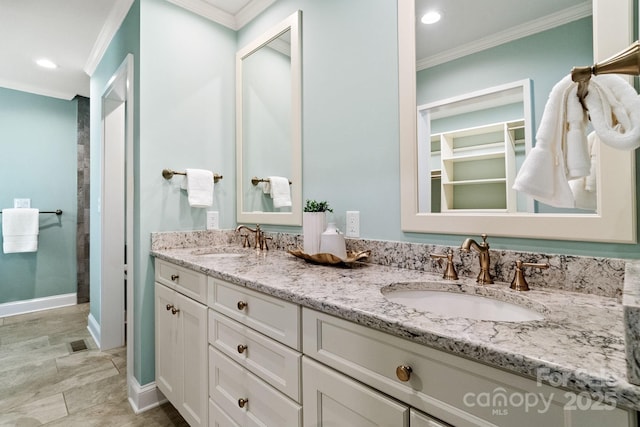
(242, 305)
(403, 373)
(174, 277)
(169, 307)
(241, 348)
(175, 310)
(242, 402)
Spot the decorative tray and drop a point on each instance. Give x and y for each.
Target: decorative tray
(330, 259)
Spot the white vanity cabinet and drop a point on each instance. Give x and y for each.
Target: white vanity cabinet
(455, 390)
(254, 358)
(181, 341)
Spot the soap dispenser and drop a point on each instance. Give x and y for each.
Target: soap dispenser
(332, 242)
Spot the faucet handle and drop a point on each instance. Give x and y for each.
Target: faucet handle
(450, 270)
(519, 283)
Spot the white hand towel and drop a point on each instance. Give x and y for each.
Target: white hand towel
(614, 109)
(199, 186)
(543, 174)
(584, 189)
(280, 191)
(20, 228)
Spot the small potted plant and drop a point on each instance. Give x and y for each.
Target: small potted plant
(314, 222)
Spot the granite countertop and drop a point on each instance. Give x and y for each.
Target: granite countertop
(579, 345)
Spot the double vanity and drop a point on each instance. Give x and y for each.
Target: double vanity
(249, 337)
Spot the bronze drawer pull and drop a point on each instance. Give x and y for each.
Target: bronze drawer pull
(403, 373)
(175, 310)
(174, 277)
(242, 402)
(241, 348)
(169, 307)
(242, 305)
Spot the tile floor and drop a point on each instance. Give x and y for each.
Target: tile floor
(42, 382)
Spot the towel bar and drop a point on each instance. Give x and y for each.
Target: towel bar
(255, 180)
(168, 174)
(57, 212)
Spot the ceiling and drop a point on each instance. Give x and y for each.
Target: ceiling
(469, 26)
(75, 33)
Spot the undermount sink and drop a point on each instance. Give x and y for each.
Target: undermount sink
(462, 304)
(226, 252)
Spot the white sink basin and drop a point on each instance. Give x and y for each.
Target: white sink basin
(456, 304)
(213, 252)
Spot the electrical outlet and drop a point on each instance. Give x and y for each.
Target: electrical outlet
(353, 224)
(213, 220)
(21, 203)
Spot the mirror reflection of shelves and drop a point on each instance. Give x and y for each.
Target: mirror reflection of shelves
(474, 168)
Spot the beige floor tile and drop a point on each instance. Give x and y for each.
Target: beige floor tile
(35, 413)
(43, 382)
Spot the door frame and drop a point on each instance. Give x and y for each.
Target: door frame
(118, 98)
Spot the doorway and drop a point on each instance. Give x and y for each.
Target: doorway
(116, 213)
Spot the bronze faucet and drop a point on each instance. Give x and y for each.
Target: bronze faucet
(450, 270)
(260, 241)
(484, 277)
(519, 283)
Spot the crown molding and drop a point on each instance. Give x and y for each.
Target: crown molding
(545, 23)
(37, 90)
(207, 10)
(111, 26)
(215, 14)
(250, 11)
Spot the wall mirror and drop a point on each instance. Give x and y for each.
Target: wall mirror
(268, 123)
(613, 220)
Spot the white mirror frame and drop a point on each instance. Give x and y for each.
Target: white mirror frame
(292, 23)
(616, 217)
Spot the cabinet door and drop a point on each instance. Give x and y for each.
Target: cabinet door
(167, 347)
(192, 332)
(332, 399)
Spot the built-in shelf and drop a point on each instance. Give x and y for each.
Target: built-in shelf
(477, 167)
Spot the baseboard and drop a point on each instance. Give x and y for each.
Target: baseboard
(37, 304)
(94, 329)
(143, 398)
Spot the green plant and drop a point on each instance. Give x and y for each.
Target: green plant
(315, 206)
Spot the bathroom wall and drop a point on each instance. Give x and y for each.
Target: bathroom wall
(39, 161)
(124, 42)
(186, 118)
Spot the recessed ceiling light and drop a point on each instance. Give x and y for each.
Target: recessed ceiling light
(430, 17)
(46, 63)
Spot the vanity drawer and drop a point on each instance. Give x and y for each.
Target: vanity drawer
(263, 405)
(273, 317)
(445, 386)
(273, 362)
(188, 282)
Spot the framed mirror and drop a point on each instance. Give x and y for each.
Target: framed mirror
(614, 218)
(269, 124)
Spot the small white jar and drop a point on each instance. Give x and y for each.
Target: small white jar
(332, 242)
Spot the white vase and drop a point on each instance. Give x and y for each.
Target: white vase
(332, 242)
(313, 224)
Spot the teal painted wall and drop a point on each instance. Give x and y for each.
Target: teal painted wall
(125, 41)
(38, 141)
(350, 107)
(187, 120)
